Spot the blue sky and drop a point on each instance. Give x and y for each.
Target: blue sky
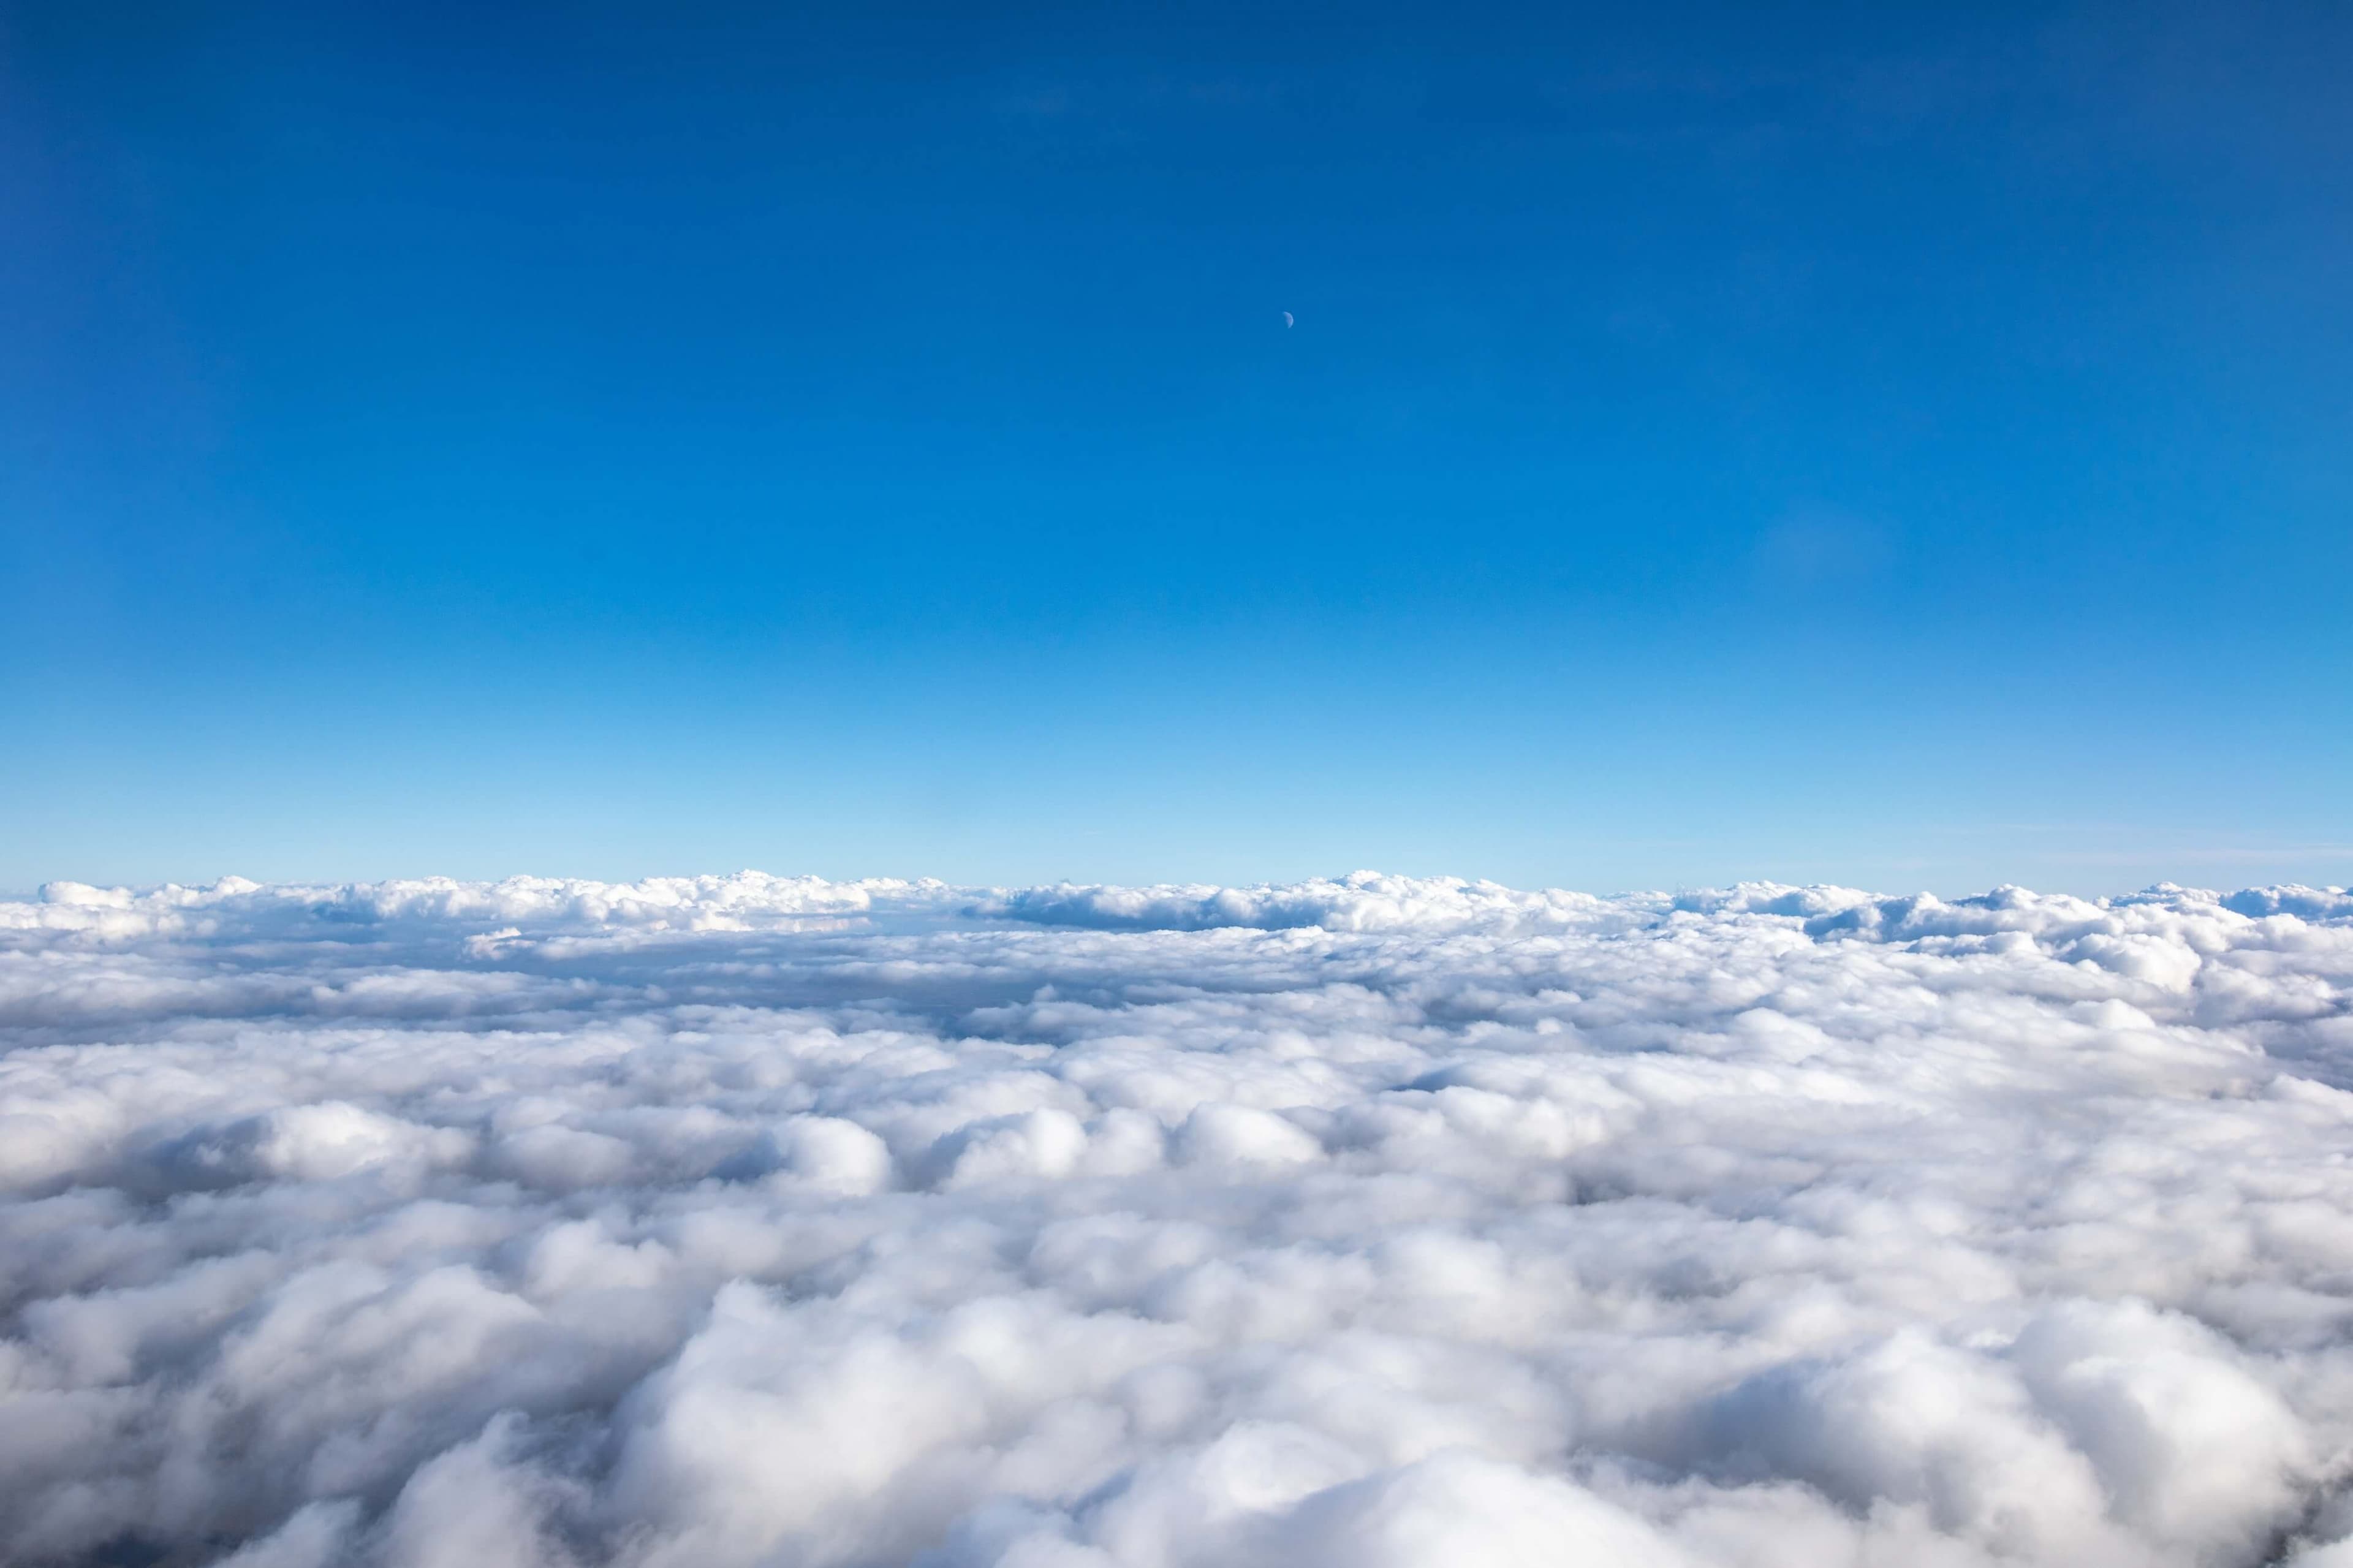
(1809, 443)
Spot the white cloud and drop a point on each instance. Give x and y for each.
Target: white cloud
(772, 1221)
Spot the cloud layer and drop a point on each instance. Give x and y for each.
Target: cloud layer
(1373, 1223)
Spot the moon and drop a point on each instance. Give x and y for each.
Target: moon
(1286, 317)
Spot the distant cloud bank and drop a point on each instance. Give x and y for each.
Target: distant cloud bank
(761, 1222)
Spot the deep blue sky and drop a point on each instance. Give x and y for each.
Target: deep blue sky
(1823, 443)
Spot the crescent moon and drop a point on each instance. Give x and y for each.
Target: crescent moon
(1286, 317)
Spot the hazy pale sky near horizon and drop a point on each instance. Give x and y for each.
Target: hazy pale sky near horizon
(1817, 444)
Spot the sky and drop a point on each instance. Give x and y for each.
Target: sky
(1822, 444)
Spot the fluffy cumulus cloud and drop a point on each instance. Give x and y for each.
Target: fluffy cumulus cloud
(1374, 1222)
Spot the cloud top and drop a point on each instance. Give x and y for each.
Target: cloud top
(785, 1223)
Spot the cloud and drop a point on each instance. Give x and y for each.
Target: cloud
(780, 1221)
(1815, 548)
(1363, 901)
